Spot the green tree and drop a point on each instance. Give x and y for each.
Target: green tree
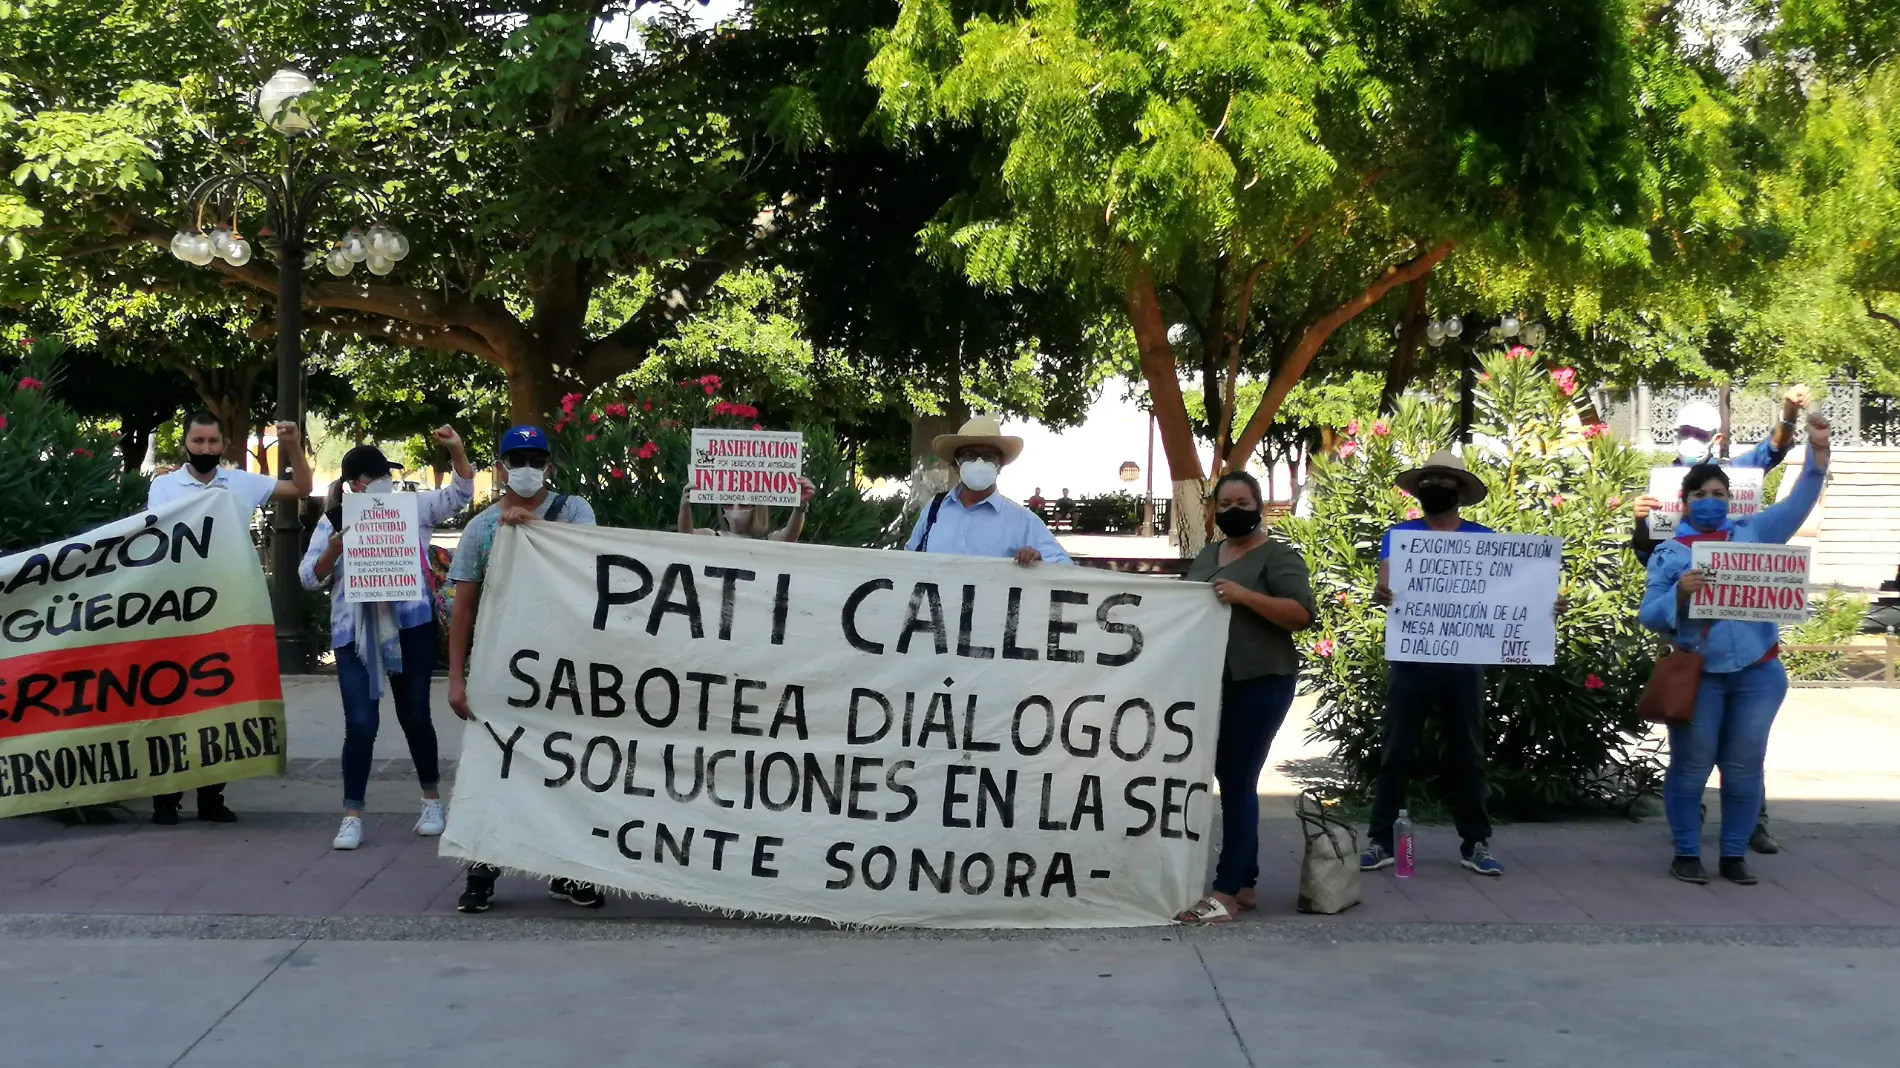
(1329, 153)
(61, 477)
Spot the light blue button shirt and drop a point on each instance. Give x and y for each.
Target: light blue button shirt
(432, 507)
(993, 526)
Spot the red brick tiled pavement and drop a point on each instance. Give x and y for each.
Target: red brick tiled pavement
(282, 866)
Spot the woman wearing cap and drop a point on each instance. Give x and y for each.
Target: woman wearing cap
(390, 639)
(1743, 681)
(750, 520)
(1264, 584)
(1416, 690)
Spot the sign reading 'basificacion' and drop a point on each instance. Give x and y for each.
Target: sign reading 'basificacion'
(746, 467)
(1473, 598)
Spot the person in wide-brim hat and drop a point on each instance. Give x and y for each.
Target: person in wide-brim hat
(1445, 463)
(980, 431)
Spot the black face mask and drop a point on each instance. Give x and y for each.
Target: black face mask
(202, 463)
(1237, 522)
(1437, 500)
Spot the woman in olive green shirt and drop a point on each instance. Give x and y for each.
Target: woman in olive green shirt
(1265, 585)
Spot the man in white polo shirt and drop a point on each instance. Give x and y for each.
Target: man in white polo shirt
(204, 470)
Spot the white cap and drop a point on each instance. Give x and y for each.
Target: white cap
(1701, 415)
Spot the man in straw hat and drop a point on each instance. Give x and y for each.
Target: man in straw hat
(1414, 690)
(971, 518)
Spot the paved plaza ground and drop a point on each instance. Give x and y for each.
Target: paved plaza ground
(256, 943)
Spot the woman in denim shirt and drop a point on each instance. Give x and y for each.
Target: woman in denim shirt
(1743, 681)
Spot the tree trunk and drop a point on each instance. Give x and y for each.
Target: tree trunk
(1315, 336)
(1398, 374)
(1170, 412)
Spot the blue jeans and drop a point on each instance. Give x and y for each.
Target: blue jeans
(409, 690)
(1733, 712)
(1250, 715)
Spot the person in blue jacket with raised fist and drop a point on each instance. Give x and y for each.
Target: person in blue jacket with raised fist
(1743, 681)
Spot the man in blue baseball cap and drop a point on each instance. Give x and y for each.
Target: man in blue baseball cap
(526, 464)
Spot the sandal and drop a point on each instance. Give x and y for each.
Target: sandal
(1248, 898)
(1208, 910)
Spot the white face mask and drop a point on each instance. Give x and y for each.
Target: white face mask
(381, 485)
(1692, 450)
(978, 475)
(526, 481)
(739, 520)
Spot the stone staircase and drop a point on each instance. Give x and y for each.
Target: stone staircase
(1855, 532)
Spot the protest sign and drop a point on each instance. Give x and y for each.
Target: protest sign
(1756, 583)
(746, 467)
(1473, 598)
(1665, 484)
(137, 659)
(382, 548)
(864, 737)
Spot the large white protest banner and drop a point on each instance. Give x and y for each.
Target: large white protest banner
(1665, 484)
(746, 466)
(1473, 598)
(865, 737)
(1756, 583)
(382, 548)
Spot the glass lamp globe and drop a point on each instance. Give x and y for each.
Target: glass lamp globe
(355, 247)
(237, 252)
(201, 251)
(1454, 326)
(1534, 335)
(1509, 326)
(220, 241)
(378, 239)
(1435, 334)
(277, 101)
(379, 265)
(398, 245)
(1177, 333)
(181, 245)
(338, 262)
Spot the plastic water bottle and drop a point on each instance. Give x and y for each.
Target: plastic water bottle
(1402, 838)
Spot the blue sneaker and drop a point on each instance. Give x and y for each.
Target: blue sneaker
(1375, 857)
(1477, 857)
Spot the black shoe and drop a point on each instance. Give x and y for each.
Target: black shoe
(478, 895)
(1689, 870)
(165, 815)
(1735, 870)
(1763, 842)
(573, 891)
(218, 813)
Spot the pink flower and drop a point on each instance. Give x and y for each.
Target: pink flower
(721, 408)
(686, 383)
(710, 390)
(590, 437)
(1346, 450)
(3, 422)
(617, 473)
(648, 451)
(1379, 429)
(1412, 513)
(745, 411)
(1616, 502)
(25, 341)
(31, 385)
(560, 426)
(646, 406)
(758, 426)
(1566, 379)
(1591, 682)
(1483, 377)
(1517, 352)
(1557, 501)
(1595, 430)
(593, 417)
(1352, 429)
(87, 453)
(568, 402)
(711, 381)
(1323, 647)
(1344, 598)
(616, 410)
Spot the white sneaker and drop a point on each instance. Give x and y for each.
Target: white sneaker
(350, 835)
(429, 824)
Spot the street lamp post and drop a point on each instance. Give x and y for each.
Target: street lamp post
(1510, 330)
(290, 198)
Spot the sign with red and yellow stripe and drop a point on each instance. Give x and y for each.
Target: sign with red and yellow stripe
(137, 659)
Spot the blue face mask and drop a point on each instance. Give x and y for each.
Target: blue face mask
(1709, 513)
